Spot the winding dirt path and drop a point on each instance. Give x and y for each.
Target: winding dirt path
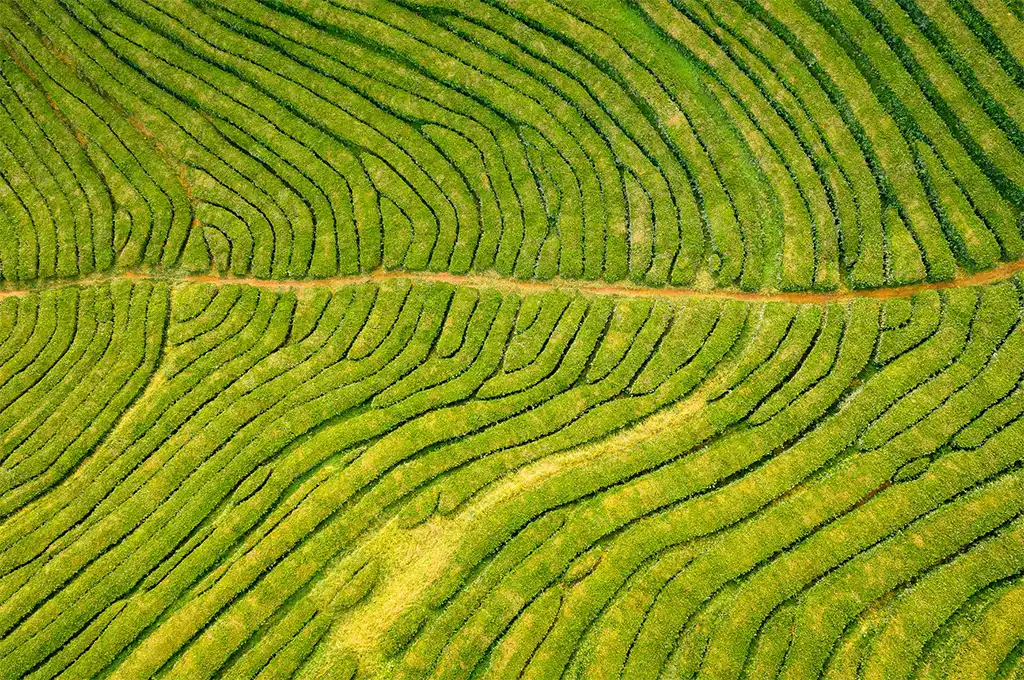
(1000, 273)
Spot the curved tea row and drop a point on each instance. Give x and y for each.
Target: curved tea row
(792, 146)
(419, 480)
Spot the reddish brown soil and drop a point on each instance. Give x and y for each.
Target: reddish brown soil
(1000, 273)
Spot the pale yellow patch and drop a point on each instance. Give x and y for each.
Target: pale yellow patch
(410, 560)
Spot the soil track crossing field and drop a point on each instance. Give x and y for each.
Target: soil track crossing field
(472, 339)
(994, 275)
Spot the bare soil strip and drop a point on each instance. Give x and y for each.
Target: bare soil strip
(1000, 273)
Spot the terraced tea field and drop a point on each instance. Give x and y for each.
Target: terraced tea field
(512, 339)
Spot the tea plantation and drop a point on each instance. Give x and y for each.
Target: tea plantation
(472, 339)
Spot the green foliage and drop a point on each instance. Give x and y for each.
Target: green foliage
(511, 339)
(793, 147)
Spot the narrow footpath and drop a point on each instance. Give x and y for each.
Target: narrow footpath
(624, 289)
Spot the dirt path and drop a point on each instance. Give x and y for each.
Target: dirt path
(1000, 273)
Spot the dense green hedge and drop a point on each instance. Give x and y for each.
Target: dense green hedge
(796, 147)
(214, 463)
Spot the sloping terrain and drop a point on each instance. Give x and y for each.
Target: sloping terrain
(512, 339)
